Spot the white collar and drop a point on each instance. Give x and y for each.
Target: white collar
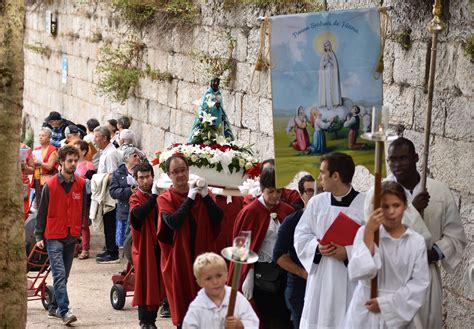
(339, 198)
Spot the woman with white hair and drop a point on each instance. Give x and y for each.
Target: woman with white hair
(126, 139)
(121, 188)
(45, 156)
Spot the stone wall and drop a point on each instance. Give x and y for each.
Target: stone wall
(162, 112)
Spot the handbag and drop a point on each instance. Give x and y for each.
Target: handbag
(268, 277)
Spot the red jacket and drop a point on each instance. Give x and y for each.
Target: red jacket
(64, 209)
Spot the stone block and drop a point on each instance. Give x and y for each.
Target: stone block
(458, 310)
(262, 145)
(250, 109)
(173, 93)
(218, 43)
(201, 39)
(243, 135)
(460, 119)
(236, 117)
(181, 40)
(446, 58)
(451, 162)
(228, 101)
(409, 66)
(152, 139)
(438, 111)
(243, 75)
(171, 138)
(464, 73)
(189, 97)
(157, 59)
(158, 115)
(388, 61)
(253, 45)
(240, 52)
(400, 101)
(148, 89)
(181, 66)
(265, 116)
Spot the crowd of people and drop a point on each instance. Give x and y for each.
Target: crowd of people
(300, 280)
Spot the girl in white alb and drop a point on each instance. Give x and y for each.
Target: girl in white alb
(399, 261)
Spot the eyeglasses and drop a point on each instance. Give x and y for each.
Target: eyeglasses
(309, 190)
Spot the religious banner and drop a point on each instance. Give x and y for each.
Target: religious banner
(324, 86)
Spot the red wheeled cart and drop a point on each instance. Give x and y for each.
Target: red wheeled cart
(124, 284)
(36, 288)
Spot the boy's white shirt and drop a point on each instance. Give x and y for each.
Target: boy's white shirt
(203, 313)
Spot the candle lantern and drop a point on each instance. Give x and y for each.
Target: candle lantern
(238, 254)
(379, 134)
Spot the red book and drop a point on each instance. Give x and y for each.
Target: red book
(341, 232)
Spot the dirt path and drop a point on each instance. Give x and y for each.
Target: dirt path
(89, 288)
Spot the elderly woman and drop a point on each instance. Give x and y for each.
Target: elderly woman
(126, 140)
(263, 218)
(121, 188)
(45, 157)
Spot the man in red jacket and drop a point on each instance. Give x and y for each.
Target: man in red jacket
(58, 225)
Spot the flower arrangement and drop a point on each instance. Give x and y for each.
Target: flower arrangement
(230, 157)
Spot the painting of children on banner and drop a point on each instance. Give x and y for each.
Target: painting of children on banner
(324, 87)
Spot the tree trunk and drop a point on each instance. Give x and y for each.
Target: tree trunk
(12, 241)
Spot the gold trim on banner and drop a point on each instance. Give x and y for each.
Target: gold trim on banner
(385, 25)
(263, 57)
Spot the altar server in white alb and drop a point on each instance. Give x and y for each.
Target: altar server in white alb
(399, 261)
(328, 289)
(440, 215)
(209, 309)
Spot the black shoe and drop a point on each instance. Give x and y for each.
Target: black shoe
(69, 318)
(102, 254)
(164, 311)
(108, 259)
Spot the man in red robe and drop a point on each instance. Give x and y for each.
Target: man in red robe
(149, 287)
(188, 224)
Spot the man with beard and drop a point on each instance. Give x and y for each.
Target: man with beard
(58, 226)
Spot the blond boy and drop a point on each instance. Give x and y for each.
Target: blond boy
(209, 309)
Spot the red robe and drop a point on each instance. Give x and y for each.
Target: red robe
(176, 258)
(256, 217)
(149, 287)
(292, 197)
(231, 211)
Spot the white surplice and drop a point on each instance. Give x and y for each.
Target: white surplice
(444, 223)
(328, 289)
(403, 280)
(204, 314)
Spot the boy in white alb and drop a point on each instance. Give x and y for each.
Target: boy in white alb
(209, 309)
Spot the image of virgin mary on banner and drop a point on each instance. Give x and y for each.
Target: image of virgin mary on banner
(324, 87)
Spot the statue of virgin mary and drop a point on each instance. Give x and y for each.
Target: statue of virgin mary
(329, 84)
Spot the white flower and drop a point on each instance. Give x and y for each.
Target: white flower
(221, 140)
(241, 163)
(194, 158)
(248, 165)
(207, 117)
